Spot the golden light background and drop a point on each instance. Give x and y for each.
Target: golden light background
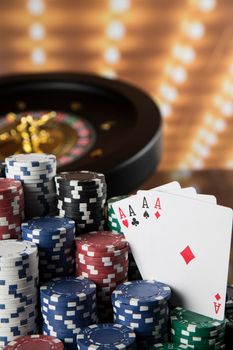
(179, 51)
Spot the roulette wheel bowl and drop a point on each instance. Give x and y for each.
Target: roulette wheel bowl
(90, 122)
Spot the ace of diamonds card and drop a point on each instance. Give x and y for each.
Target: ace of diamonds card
(183, 242)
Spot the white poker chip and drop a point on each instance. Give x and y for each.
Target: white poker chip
(19, 278)
(14, 249)
(34, 160)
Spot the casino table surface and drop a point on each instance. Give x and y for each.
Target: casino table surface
(216, 182)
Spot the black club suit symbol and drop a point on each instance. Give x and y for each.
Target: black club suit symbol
(135, 222)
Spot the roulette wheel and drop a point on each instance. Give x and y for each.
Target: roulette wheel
(88, 122)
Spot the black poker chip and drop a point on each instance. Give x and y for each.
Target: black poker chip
(2, 169)
(84, 204)
(87, 179)
(66, 192)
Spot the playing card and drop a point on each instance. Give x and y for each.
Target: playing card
(185, 191)
(185, 243)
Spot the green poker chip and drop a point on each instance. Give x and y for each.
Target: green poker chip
(185, 334)
(182, 319)
(219, 336)
(204, 341)
(113, 223)
(168, 346)
(199, 346)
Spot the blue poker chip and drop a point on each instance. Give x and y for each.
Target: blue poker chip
(61, 334)
(68, 289)
(61, 304)
(106, 336)
(144, 311)
(142, 292)
(143, 318)
(66, 325)
(141, 326)
(50, 242)
(48, 224)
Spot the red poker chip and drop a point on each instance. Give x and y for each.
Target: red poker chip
(102, 269)
(122, 260)
(111, 284)
(10, 219)
(10, 203)
(9, 211)
(9, 236)
(100, 241)
(94, 270)
(10, 196)
(35, 342)
(10, 232)
(113, 277)
(103, 257)
(16, 227)
(9, 186)
(97, 254)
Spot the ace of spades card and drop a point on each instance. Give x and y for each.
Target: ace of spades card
(184, 242)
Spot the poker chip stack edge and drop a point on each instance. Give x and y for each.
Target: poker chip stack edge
(106, 336)
(54, 237)
(143, 306)
(18, 289)
(35, 341)
(102, 257)
(11, 208)
(68, 304)
(36, 172)
(81, 196)
(196, 331)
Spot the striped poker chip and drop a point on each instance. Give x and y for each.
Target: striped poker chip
(19, 277)
(80, 178)
(142, 292)
(108, 335)
(101, 241)
(36, 341)
(168, 346)
(199, 325)
(67, 305)
(35, 161)
(36, 173)
(11, 208)
(9, 186)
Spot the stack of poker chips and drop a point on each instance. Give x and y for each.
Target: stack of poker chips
(36, 172)
(67, 305)
(143, 306)
(196, 331)
(36, 341)
(11, 208)
(81, 196)
(18, 289)
(114, 226)
(106, 336)
(103, 258)
(54, 236)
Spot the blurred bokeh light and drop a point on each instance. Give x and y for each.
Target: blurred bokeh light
(180, 52)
